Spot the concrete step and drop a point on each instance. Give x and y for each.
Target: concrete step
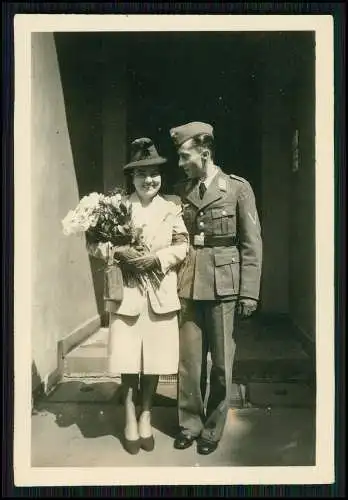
(271, 369)
(83, 389)
(271, 351)
(89, 358)
(265, 352)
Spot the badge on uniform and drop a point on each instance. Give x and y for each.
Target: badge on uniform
(198, 240)
(222, 184)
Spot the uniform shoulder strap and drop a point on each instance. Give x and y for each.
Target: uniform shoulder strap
(237, 178)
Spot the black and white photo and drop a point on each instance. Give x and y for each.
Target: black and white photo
(174, 292)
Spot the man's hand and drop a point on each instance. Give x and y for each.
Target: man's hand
(246, 307)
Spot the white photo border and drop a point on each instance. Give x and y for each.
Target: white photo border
(323, 471)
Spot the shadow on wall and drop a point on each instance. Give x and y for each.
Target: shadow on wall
(83, 107)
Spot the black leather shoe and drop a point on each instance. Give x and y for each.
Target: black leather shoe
(183, 441)
(205, 447)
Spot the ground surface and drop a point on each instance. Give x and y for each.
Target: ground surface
(81, 426)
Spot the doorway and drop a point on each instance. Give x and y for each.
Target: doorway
(257, 89)
(211, 78)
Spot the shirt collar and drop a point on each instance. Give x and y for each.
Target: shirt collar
(207, 181)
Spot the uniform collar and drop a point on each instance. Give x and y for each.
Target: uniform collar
(215, 190)
(207, 181)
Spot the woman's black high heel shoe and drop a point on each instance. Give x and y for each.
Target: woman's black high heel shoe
(132, 446)
(148, 443)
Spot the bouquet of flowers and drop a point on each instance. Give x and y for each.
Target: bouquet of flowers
(108, 219)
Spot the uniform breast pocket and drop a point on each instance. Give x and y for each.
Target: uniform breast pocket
(224, 220)
(227, 271)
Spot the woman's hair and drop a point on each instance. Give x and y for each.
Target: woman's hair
(129, 186)
(128, 176)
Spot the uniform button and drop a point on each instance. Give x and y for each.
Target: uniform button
(224, 212)
(201, 214)
(201, 224)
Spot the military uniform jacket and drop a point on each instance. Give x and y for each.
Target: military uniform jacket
(227, 209)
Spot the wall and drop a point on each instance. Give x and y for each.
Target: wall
(276, 165)
(63, 297)
(114, 109)
(288, 198)
(93, 73)
(302, 199)
(81, 68)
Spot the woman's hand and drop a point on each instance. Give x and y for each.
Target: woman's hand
(149, 262)
(125, 254)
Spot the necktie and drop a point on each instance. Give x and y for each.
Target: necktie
(202, 189)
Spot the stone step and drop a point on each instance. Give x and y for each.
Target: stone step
(90, 358)
(99, 389)
(265, 352)
(261, 395)
(271, 369)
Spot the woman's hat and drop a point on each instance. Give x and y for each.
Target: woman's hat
(144, 154)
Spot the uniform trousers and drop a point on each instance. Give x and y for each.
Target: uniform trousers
(205, 326)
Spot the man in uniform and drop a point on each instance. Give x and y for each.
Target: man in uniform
(221, 275)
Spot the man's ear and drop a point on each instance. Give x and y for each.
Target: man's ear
(205, 154)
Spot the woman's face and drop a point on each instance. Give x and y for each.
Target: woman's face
(147, 181)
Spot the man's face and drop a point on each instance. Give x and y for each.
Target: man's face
(190, 160)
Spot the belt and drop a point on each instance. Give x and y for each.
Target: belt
(207, 240)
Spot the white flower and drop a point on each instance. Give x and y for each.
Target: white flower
(83, 217)
(90, 201)
(68, 223)
(93, 220)
(116, 200)
(86, 214)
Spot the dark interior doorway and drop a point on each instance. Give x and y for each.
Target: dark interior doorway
(175, 78)
(256, 88)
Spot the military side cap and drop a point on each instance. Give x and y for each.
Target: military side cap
(185, 132)
(144, 154)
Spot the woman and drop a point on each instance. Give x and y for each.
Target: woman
(143, 332)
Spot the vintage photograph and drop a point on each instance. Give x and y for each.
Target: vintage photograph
(173, 177)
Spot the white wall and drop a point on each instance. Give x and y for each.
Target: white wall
(63, 295)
